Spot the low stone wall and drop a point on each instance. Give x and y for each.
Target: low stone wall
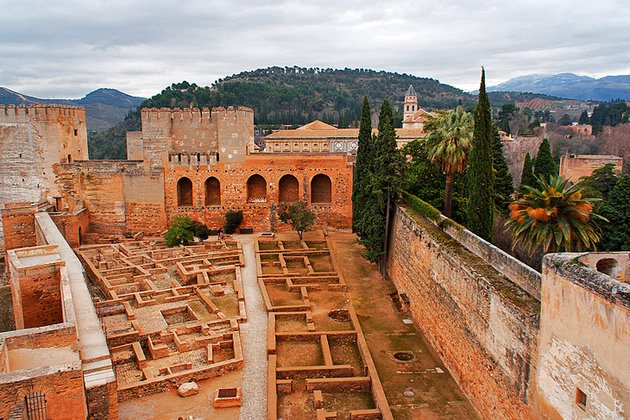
(481, 323)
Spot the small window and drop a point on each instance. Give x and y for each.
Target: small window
(35, 403)
(580, 398)
(69, 158)
(76, 132)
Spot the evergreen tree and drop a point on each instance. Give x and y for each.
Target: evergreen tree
(480, 176)
(616, 208)
(527, 176)
(584, 118)
(363, 166)
(381, 186)
(545, 165)
(503, 182)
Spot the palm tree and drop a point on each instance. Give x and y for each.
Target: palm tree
(449, 143)
(554, 217)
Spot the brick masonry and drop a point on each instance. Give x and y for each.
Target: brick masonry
(480, 323)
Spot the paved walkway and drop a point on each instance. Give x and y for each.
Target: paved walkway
(254, 339)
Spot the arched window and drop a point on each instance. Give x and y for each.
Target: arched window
(321, 189)
(184, 192)
(213, 192)
(608, 266)
(256, 189)
(288, 189)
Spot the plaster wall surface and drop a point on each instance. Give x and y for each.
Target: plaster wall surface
(483, 326)
(584, 341)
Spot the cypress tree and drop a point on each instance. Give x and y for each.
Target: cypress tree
(480, 177)
(503, 182)
(382, 183)
(527, 176)
(545, 165)
(616, 208)
(365, 159)
(583, 118)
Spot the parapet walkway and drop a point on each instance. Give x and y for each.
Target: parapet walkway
(254, 339)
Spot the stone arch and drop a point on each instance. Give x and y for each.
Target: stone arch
(288, 189)
(321, 189)
(256, 189)
(213, 192)
(608, 266)
(184, 192)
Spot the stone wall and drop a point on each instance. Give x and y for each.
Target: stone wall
(120, 195)
(483, 326)
(18, 225)
(33, 140)
(583, 343)
(574, 167)
(227, 133)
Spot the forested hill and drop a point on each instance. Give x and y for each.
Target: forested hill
(296, 95)
(290, 95)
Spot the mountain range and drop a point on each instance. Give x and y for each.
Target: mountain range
(103, 107)
(569, 85)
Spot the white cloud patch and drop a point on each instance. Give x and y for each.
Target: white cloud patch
(52, 49)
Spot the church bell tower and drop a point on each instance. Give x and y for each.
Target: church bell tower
(411, 102)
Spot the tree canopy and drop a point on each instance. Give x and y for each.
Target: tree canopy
(545, 165)
(616, 208)
(298, 216)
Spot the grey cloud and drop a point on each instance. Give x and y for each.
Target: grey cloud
(65, 50)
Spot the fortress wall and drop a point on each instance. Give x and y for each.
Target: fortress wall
(584, 341)
(228, 132)
(482, 325)
(261, 215)
(120, 195)
(33, 140)
(235, 130)
(574, 167)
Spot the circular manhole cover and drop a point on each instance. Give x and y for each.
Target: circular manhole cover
(403, 356)
(340, 315)
(409, 393)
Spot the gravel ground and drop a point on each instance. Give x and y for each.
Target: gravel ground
(254, 340)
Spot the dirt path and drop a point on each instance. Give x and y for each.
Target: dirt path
(430, 391)
(254, 339)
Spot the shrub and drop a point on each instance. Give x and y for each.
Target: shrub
(180, 231)
(232, 220)
(200, 230)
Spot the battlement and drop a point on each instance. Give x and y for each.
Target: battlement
(39, 112)
(195, 115)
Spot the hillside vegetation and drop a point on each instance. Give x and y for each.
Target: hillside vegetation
(294, 96)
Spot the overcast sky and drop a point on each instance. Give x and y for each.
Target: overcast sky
(64, 49)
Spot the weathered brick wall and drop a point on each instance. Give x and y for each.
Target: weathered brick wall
(33, 140)
(102, 401)
(120, 195)
(583, 343)
(262, 215)
(481, 324)
(63, 391)
(226, 132)
(19, 227)
(40, 297)
(72, 226)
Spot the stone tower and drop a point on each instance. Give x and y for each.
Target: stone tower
(411, 102)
